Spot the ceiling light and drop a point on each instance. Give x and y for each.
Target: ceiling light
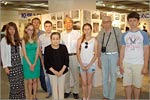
(113, 6)
(104, 5)
(5, 3)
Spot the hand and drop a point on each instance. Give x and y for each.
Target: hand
(144, 71)
(84, 68)
(7, 71)
(87, 67)
(56, 73)
(32, 67)
(121, 69)
(60, 73)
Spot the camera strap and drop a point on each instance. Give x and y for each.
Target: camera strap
(116, 40)
(107, 39)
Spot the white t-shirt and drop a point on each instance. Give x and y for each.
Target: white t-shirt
(134, 43)
(44, 41)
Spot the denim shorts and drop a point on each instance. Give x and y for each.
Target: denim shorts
(90, 70)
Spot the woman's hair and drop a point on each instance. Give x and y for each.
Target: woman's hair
(16, 35)
(55, 33)
(26, 36)
(3, 28)
(83, 36)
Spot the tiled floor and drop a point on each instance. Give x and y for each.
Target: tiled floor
(96, 92)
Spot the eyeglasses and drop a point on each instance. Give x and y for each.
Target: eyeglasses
(86, 45)
(30, 30)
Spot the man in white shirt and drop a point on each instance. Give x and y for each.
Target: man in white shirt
(45, 41)
(69, 38)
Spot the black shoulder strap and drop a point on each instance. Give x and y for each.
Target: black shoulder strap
(116, 40)
(107, 39)
(103, 39)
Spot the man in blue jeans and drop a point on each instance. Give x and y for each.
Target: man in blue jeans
(109, 40)
(45, 41)
(36, 22)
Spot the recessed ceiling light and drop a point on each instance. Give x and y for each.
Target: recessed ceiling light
(113, 6)
(5, 3)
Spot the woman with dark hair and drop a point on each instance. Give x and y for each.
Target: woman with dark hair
(11, 59)
(56, 61)
(2, 33)
(87, 54)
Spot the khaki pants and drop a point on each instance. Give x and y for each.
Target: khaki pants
(57, 84)
(73, 67)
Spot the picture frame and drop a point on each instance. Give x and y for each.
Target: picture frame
(76, 25)
(75, 14)
(95, 14)
(123, 17)
(59, 16)
(53, 16)
(59, 24)
(102, 14)
(95, 27)
(86, 16)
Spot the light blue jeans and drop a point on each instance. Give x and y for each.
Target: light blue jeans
(47, 81)
(109, 67)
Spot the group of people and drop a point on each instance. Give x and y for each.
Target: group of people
(53, 56)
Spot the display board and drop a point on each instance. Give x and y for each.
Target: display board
(94, 17)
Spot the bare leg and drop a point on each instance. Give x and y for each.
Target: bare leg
(84, 84)
(128, 91)
(90, 79)
(29, 85)
(35, 86)
(136, 93)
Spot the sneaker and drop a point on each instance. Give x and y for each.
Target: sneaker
(66, 95)
(75, 96)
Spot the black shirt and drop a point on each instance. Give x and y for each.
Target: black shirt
(56, 58)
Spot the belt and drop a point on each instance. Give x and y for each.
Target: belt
(109, 53)
(72, 54)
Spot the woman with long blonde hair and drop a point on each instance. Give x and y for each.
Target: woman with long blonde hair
(31, 61)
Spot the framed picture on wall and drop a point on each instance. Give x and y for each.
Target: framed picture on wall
(86, 16)
(95, 14)
(123, 18)
(75, 14)
(54, 26)
(60, 31)
(53, 16)
(117, 16)
(122, 26)
(59, 24)
(76, 25)
(59, 16)
(95, 27)
(102, 14)
(67, 14)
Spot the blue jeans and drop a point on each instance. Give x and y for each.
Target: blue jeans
(42, 79)
(109, 67)
(47, 80)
